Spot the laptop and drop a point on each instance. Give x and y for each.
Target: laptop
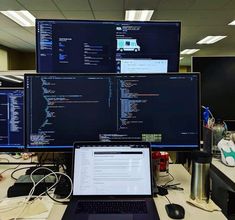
(111, 181)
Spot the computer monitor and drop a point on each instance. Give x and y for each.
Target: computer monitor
(78, 46)
(159, 108)
(217, 80)
(11, 119)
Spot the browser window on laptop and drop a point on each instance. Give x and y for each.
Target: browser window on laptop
(112, 170)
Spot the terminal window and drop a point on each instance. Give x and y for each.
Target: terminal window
(160, 108)
(11, 118)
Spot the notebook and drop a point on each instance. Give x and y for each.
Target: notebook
(111, 180)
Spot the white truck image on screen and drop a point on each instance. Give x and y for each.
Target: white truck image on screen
(127, 45)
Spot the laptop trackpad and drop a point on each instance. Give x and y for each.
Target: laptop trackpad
(110, 217)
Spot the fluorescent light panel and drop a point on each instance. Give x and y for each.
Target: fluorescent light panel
(138, 15)
(189, 51)
(211, 39)
(19, 77)
(181, 58)
(10, 79)
(23, 18)
(232, 23)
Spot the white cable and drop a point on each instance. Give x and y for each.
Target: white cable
(57, 180)
(34, 186)
(71, 188)
(30, 195)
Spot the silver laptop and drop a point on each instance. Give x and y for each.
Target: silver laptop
(111, 181)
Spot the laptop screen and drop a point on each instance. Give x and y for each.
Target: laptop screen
(112, 170)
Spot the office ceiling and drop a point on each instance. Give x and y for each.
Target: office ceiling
(199, 18)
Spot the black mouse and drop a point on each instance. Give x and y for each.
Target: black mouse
(175, 211)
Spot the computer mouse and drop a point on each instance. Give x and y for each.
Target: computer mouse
(175, 211)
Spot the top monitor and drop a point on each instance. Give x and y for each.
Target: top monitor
(71, 46)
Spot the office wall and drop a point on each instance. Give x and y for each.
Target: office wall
(3, 60)
(17, 60)
(185, 69)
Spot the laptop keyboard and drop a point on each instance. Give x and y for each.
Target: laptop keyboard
(111, 207)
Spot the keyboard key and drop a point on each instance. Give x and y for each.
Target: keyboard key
(109, 207)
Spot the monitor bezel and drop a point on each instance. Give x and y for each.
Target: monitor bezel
(15, 148)
(104, 21)
(70, 149)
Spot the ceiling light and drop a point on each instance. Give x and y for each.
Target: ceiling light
(19, 77)
(10, 79)
(23, 18)
(189, 51)
(138, 15)
(181, 58)
(232, 23)
(211, 39)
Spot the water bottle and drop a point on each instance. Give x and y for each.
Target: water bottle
(200, 180)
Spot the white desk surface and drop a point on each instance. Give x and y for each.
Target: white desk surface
(182, 176)
(178, 171)
(229, 172)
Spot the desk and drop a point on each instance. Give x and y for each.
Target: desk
(225, 172)
(223, 187)
(180, 174)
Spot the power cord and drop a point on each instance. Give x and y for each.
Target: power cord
(12, 168)
(30, 195)
(171, 186)
(57, 180)
(59, 201)
(168, 199)
(23, 168)
(172, 179)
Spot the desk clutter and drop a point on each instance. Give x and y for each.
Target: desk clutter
(219, 138)
(227, 150)
(180, 175)
(21, 207)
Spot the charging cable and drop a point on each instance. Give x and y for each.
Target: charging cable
(30, 195)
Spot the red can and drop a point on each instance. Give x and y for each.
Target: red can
(164, 162)
(156, 156)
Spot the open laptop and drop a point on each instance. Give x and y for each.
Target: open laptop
(111, 181)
